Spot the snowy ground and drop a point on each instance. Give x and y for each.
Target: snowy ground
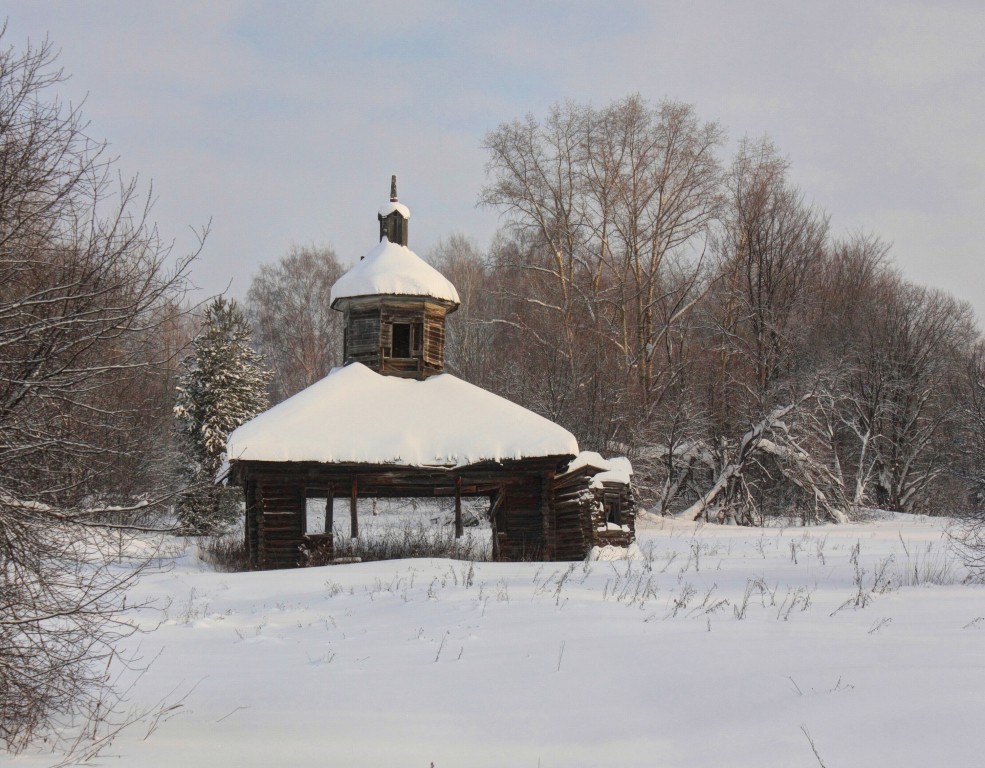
(720, 647)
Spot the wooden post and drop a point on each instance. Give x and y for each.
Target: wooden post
(546, 518)
(495, 501)
(354, 523)
(329, 508)
(252, 522)
(459, 527)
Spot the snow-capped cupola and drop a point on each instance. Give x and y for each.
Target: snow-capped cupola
(394, 217)
(395, 303)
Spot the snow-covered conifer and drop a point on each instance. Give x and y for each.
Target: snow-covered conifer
(223, 385)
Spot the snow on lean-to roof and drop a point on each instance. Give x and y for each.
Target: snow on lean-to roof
(615, 470)
(356, 415)
(393, 269)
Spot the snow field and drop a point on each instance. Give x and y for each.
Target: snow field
(717, 646)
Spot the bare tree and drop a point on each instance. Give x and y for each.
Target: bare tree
(900, 398)
(973, 417)
(610, 208)
(88, 295)
(969, 534)
(753, 374)
(654, 190)
(702, 321)
(772, 249)
(778, 465)
(295, 328)
(535, 181)
(877, 354)
(471, 339)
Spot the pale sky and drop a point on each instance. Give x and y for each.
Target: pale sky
(281, 122)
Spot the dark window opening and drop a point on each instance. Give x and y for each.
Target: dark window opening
(612, 510)
(406, 341)
(401, 340)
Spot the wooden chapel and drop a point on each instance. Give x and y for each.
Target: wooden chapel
(390, 423)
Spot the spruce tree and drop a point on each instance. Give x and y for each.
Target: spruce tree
(223, 385)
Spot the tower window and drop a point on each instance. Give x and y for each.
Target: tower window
(401, 339)
(407, 338)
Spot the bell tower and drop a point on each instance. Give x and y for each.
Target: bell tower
(395, 303)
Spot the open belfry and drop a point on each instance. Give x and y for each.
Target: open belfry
(390, 423)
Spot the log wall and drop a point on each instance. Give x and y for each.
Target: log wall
(580, 515)
(253, 514)
(524, 522)
(280, 521)
(573, 504)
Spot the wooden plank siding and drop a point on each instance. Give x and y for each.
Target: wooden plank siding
(369, 334)
(522, 530)
(362, 338)
(434, 338)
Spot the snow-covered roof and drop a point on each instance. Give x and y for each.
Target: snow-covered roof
(618, 469)
(393, 269)
(356, 415)
(621, 472)
(389, 207)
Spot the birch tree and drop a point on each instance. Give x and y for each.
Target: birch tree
(612, 207)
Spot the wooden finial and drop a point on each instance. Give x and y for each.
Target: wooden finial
(393, 188)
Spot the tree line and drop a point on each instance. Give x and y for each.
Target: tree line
(694, 312)
(697, 313)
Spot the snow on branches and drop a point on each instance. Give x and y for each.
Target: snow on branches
(223, 385)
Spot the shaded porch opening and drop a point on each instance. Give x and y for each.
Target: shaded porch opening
(311, 513)
(397, 527)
